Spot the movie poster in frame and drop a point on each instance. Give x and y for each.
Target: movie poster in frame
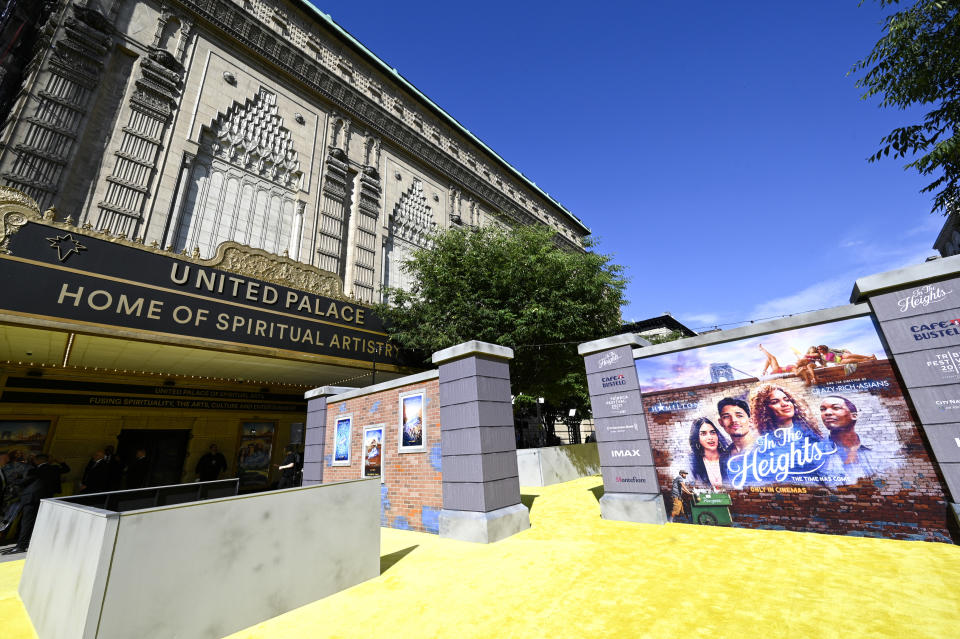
(255, 452)
(805, 429)
(412, 428)
(29, 436)
(373, 452)
(342, 432)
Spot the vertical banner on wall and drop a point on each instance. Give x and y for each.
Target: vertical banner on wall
(342, 434)
(411, 422)
(256, 449)
(373, 452)
(805, 429)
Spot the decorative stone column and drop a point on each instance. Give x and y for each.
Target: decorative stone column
(918, 310)
(314, 439)
(631, 490)
(481, 485)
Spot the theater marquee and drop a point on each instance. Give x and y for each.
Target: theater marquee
(243, 297)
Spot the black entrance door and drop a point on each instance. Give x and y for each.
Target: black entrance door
(166, 451)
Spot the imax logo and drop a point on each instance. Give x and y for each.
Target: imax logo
(633, 452)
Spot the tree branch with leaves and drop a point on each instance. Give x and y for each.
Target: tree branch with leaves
(917, 62)
(516, 288)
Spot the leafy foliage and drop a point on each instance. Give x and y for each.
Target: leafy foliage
(917, 62)
(516, 288)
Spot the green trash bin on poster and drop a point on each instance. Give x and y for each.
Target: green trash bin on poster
(712, 509)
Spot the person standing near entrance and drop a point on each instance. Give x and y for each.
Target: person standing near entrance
(42, 482)
(679, 492)
(138, 470)
(96, 475)
(211, 464)
(289, 468)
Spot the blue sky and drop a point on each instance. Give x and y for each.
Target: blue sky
(716, 149)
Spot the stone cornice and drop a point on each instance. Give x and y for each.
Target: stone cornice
(229, 20)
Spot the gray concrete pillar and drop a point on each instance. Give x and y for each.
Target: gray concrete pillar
(314, 438)
(918, 310)
(481, 485)
(631, 491)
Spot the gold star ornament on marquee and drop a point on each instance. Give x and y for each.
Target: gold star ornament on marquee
(66, 246)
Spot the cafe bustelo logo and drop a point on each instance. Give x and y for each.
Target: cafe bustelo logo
(935, 330)
(613, 380)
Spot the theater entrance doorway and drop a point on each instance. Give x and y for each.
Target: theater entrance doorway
(166, 452)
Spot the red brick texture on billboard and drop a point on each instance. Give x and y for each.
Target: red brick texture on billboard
(411, 493)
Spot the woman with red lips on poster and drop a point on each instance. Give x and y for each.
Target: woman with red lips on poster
(711, 450)
(790, 447)
(774, 408)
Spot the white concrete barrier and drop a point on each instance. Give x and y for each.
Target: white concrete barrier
(557, 464)
(201, 569)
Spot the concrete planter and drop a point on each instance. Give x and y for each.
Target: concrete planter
(201, 569)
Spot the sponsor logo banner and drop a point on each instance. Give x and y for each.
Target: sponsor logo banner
(923, 332)
(918, 300)
(625, 453)
(630, 479)
(617, 404)
(930, 368)
(945, 441)
(623, 428)
(606, 361)
(612, 381)
(937, 404)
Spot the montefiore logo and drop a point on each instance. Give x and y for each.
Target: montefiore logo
(608, 360)
(923, 296)
(935, 330)
(613, 380)
(631, 480)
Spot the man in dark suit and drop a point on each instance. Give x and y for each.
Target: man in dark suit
(211, 464)
(138, 470)
(41, 482)
(96, 476)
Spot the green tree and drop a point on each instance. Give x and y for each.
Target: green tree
(917, 62)
(516, 288)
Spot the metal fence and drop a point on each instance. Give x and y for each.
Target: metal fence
(125, 500)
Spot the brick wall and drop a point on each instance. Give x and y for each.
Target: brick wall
(410, 495)
(906, 500)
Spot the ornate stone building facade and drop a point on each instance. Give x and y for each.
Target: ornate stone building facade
(198, 201)
(189, 123)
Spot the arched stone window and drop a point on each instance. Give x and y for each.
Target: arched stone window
(244, 183)
(411, 224)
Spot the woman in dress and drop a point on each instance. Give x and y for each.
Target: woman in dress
(841, 356)
(711, 449)
(773, 365)
(807, 362)
(773, 407)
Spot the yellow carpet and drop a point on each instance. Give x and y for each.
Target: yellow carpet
(575, 575)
